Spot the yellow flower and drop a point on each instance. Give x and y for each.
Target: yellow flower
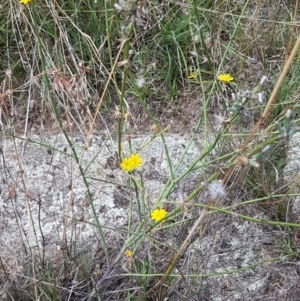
(158, 214)
(128, 253)
(24, 1)
(131, 163)
(225, 78)
(192, 75)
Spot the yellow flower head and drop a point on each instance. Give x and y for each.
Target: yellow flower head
(131, 163)
(158, 214)
(128, 253)
(192, 75)
(24, 1)
(225, 78)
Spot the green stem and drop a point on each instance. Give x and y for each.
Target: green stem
(122, 93)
